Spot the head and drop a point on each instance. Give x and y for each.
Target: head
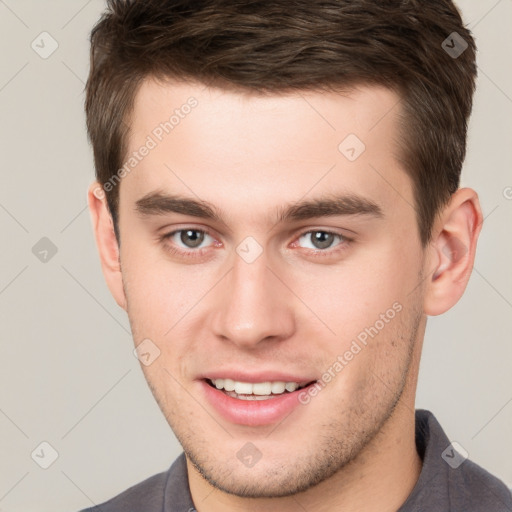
(253, 128)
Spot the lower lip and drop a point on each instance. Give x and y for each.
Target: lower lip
(252, 412)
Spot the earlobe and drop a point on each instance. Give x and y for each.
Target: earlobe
(452, 251)
(106, 242)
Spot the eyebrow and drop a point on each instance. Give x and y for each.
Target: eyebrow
(158, 203)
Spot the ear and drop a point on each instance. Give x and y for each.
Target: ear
(452, 251)
(106, 241)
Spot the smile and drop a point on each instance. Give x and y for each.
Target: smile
(255, 390)
(253, 403)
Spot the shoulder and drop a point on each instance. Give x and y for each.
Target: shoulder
(475, 486)
(152, 494)
(147, 495)
(449, 480)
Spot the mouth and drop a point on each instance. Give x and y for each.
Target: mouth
(255, 403)
(256, 390)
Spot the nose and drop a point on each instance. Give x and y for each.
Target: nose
(253, 304)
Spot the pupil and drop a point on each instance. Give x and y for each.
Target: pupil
(323, 239)
(190, 234)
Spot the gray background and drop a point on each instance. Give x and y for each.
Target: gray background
(67, 372)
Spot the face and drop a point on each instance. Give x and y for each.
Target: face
(274, 264)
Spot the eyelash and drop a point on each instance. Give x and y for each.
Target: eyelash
(345, 241)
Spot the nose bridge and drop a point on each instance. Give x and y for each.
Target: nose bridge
(254, 305)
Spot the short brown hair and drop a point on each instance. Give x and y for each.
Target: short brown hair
(278, 46)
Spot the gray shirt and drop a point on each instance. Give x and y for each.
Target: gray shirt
(447, 482)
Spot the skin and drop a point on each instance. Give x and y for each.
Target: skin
(249, 156)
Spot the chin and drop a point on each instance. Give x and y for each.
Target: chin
(271, 478)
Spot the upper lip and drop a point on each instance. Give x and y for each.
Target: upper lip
(261, 376)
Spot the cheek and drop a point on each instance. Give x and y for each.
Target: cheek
(351, 297)
(159, 292)
(367, 329)
(168, 388)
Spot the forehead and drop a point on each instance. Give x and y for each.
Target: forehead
(237, 149)
(356, 110)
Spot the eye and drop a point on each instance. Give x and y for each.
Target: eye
(193, 242)
(187, 238)
(321, 239)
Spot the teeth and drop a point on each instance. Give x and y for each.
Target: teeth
(256, 389)
(262, 388)
(243, 388)
(278, 387)
(229, 385)
(291, 386)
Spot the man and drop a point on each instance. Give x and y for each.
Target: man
(277, 208)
